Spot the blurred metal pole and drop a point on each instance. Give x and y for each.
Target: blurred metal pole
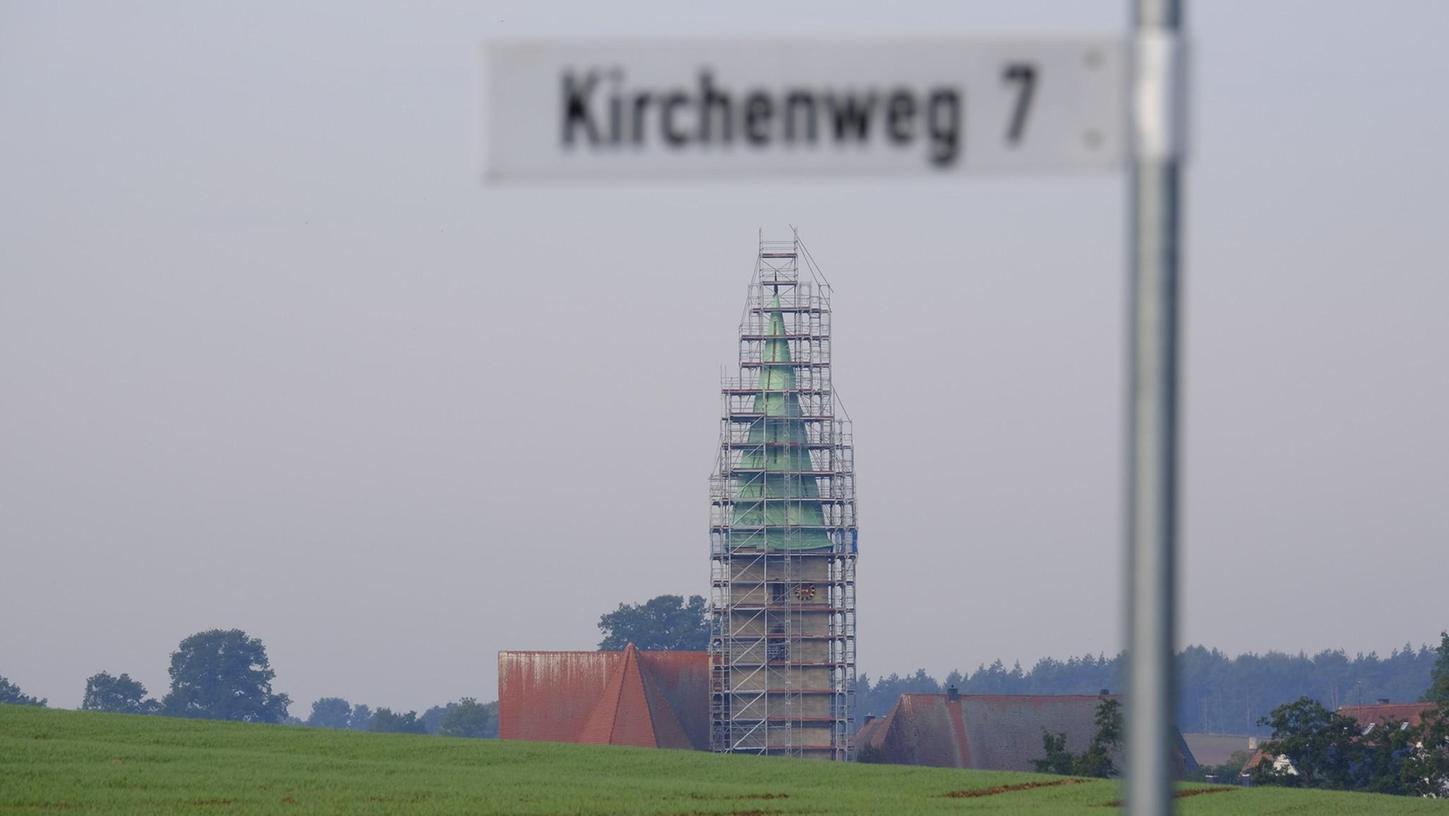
(1154, 190)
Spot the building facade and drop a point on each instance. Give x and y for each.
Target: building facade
(782, 527)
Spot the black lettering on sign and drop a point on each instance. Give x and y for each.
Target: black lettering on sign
(616, 106)
(852, 115)
(943, 121)
(672, 102)
(641, 104)
(602, 111)
(1024, 74)
(758, 111)
(799, 102)
(576, 107)
(711, 101)
(901, 117)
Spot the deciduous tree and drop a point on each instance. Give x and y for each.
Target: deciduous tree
(223, 675)
(663, 622)
(1322, 746)
(122, 695)
(470, 718)
(361, 719)
(1426, 768)
(11, 693)
(330, 712)
(1056, 759)
(384, 720)
(1097, 759)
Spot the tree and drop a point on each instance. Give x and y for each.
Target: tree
(1439, 677)
(1097, 759)
(10, 693)
(433, 717)
(384, 720)
(1321, 744)
(663, 622)
(121, 695)
(470, 718)
(1426, 769)
(1378, 763)
(330, 712)
(223, 675)
(1056, 758)
(361, 719)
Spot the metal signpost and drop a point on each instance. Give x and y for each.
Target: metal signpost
(630, 110)
(1154, 187)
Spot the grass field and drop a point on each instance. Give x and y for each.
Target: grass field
(76, 762)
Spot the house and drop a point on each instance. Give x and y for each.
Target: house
(1371, 716)
(999, 732)
(630, 697)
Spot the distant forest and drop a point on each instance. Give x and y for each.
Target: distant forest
(1219, 694)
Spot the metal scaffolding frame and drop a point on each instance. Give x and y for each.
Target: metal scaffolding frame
(783, 527)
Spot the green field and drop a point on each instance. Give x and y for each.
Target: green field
(75, 762)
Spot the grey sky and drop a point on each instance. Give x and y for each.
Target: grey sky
(271, 358)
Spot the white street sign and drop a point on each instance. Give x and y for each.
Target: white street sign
(803, 107)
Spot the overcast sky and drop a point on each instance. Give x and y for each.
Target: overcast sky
(272, 358)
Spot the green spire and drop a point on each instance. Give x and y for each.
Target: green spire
(772, 492)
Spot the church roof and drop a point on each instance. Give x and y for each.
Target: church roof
(630, 697)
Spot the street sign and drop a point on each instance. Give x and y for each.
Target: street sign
(803, 107)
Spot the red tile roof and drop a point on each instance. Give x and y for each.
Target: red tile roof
(1380, 713)
(654, 699)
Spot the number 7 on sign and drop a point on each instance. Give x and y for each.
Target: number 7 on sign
(1024, 75)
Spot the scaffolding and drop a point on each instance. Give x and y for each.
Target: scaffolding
(783, 527)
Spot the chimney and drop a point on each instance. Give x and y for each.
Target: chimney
(953, 693)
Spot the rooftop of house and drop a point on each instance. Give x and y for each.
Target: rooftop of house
(1380, 713)
(986, 731)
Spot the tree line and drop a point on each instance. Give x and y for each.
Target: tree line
(1218, 693)
(465, 718)
(225, 675)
